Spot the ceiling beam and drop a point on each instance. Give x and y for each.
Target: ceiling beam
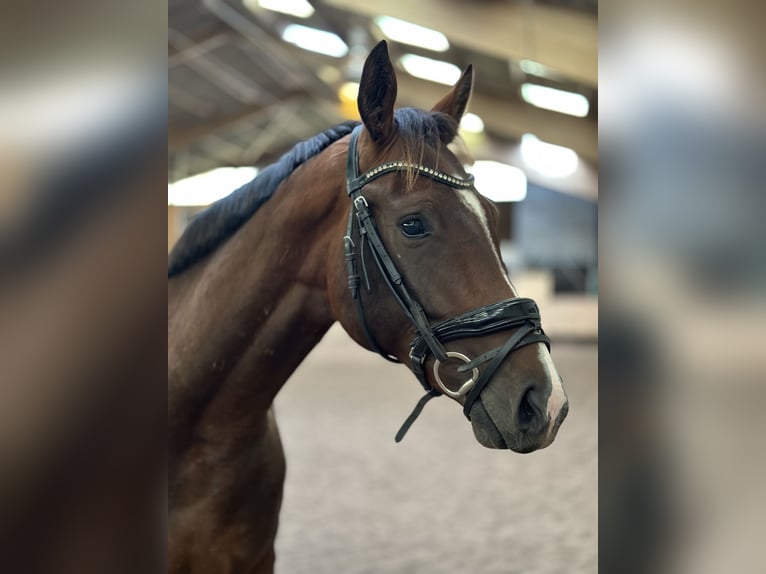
(181, 138)
(510, 118)
(562, 39)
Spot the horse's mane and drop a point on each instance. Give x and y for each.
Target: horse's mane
(212, 227)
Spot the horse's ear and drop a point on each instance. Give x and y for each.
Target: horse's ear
(377, 93)
(456, 101)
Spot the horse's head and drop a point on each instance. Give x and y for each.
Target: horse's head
(428, 286)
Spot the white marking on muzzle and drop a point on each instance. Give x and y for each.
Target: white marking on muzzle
(558, 397)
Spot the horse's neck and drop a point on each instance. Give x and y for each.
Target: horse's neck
(245, 319)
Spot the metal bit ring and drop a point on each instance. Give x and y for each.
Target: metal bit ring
(465, 387)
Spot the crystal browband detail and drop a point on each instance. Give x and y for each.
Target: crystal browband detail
(427, 171)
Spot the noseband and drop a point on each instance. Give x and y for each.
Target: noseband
(515, 313)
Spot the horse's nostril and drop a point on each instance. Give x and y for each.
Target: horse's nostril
(526, 411)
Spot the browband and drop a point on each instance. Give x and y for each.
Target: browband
(360, 181)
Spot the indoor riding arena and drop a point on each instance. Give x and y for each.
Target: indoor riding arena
(250, 79)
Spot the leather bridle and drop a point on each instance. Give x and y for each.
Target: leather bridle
(515, 313)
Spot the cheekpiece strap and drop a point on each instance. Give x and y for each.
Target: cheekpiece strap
(369, 233)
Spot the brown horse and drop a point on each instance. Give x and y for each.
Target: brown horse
(252, 292)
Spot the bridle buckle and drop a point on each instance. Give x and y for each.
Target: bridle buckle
(360, 199)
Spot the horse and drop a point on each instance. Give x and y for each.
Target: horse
(376, 225)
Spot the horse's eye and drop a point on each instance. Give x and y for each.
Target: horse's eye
(413, 227)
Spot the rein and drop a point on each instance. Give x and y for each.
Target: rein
(515, 313)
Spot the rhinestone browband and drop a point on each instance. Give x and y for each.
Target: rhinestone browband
(427, 171)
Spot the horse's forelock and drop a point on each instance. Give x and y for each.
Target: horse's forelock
(421, 136)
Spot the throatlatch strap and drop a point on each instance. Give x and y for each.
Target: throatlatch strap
(415, 414)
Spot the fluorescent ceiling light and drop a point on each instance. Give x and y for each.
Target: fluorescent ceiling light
(548, 159)
(472, 123)
(315, 40)
(299, 8)
(412, 34)
(535, 68)
(329, 74)
(206, 188)
(349, 92)
(555, 100)
(431, 70)
(499, 181)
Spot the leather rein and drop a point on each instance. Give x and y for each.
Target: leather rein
(514, 313)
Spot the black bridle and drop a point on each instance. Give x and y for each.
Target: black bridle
(515, 313)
